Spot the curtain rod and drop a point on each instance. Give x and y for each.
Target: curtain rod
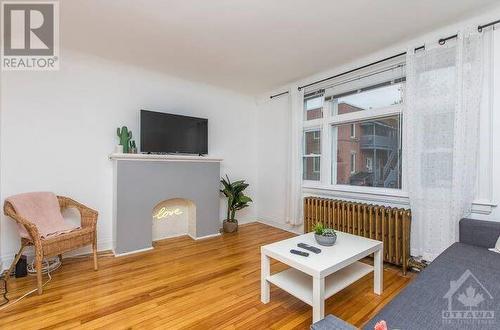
(279, 94)
(481, 27)
(441, 41)
(392, 81)
(353, 70)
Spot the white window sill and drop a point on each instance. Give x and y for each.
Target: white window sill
(480, 206)
(388, 197)
(392, 197)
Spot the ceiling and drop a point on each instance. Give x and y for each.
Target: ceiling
(250, 46)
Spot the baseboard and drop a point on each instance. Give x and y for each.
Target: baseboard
(170, 236)
(103, 245)
(285, 226)
(204, 237)
(132, 252)
(245, 221)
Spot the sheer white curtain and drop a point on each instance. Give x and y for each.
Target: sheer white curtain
(294, 187)
(443, 97)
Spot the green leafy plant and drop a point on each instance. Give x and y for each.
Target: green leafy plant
(320, 229)
(236, 199)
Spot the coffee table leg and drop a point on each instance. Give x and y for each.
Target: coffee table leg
(318, 298)
(265, 271)
(378, 275)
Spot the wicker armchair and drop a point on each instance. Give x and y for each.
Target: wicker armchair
(57, 245)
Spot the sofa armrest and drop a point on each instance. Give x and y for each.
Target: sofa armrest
(479, 233)
(331, 322)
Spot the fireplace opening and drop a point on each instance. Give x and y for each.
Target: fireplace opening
(174, 217)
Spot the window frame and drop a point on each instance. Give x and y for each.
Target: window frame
(327, 125)
(314, 156)
(353, 162)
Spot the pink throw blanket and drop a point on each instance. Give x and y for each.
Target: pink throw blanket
(42, 209)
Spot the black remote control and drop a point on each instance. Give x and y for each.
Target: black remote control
(300, 253)
(309, 247)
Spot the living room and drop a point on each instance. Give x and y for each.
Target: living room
(252, 164)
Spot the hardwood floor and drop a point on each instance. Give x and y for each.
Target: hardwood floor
(206, 284)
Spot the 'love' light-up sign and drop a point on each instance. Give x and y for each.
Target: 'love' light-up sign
(165, 213)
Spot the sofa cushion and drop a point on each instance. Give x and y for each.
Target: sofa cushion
(331, 322)
(422, 304)
(479, 233)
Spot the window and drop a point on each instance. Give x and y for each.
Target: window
(313, 107)
(371, 98)
(363, 129)
(312, 155)
(378, 147)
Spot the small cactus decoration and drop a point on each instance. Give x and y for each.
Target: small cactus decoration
(125, 135)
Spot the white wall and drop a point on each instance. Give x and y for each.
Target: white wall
(58, 128)
(488, 195)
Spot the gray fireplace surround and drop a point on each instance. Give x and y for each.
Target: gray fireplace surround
(143, 181)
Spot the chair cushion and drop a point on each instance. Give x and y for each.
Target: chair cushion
(42, 209)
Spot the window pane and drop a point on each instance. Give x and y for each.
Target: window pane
(371, 98)
(373, 157)
(312, 142)
(313, 108)
(311, 168)
(312, 158)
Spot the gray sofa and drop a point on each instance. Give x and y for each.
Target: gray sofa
(433, 301)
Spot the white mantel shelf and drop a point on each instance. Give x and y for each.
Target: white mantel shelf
(164, 158)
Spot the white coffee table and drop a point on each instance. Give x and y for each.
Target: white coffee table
(317, 277)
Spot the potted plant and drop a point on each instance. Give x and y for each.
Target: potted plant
(324, 236)
(236, 201)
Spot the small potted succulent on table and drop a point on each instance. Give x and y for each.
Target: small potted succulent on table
(324, 236)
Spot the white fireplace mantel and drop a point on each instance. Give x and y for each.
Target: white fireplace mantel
(166, 158)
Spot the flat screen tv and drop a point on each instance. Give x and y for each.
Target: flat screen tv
(169, 133)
